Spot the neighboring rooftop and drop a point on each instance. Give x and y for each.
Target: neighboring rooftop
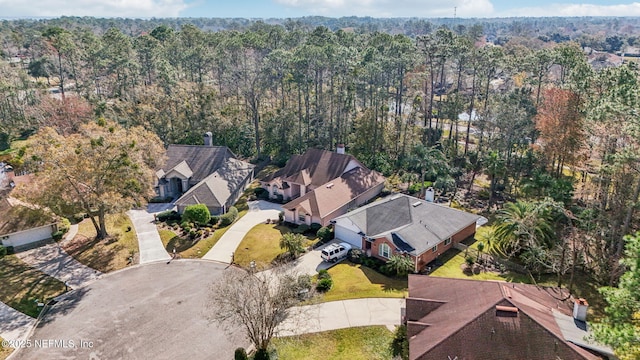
(337, 192)
(216, 189)
(15, 217)
(413, 225)
(315, 167)
(195, 161)
(471, 319)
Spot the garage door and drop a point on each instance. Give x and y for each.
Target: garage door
(348, 236)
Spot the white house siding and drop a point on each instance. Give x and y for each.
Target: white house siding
(346, 231)
(24, 238)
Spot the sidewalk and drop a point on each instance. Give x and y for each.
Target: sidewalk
(14, 325)
(342, 314)
(259, 212)
(55, 262)
(151, 248)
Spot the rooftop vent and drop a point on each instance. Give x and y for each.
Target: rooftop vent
(506, 311)
(329, 185)
(417, 203)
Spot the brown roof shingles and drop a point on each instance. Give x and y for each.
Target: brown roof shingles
(337, 192)
(313, 168)
(458, 318)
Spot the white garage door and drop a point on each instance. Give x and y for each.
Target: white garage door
(26, 237)
(349, 236)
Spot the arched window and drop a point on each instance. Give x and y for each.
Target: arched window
(385, 251)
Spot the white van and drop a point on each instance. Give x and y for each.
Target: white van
(335, 252)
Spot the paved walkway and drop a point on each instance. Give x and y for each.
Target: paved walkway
(55, 262)
(342, 314)
(73, 231)
(14, 325)
(259, 212)
(151, 248)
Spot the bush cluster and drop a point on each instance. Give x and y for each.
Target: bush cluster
(324, 234)
(168, 215)
(3, 251)
(198, 213)
(324, 281)
(228, 218)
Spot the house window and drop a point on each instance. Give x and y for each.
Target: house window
(435, 248)
(274, 190)
(384, 251)
(302, 216)
(447, 242)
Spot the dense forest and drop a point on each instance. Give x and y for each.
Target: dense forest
(539, 115)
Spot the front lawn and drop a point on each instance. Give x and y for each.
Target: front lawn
(23, 286)
(109, 254)
(366, 343)
(354, 281)
(262, 245)
(4, 351)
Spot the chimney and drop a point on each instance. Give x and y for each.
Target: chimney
(340, 149)
(208, 139)
(429, 194)
(580, 307)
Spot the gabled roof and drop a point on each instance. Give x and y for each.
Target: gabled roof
(315, 167)
(471, 319)
(337, 192)
(409, 222)
(215, 189)
(196, 160)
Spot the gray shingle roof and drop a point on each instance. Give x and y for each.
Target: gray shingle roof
(201, 160)
(216, 189)
(410, 223)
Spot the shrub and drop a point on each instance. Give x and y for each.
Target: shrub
(355, 256)
(198, 213)
(228, 218)
(301, 229)
(3, 251)
(79, 217)
(261, 354)
(324, 285)
(240, 354)
(324, 234)
(398, 265)
(64, 225)
(57, 236)
(483, 194)
(261, 193)
(469, 260)
(400, 343)
(293, 244)
(323, 274)
(169, 215)
(280, 217)
(315, 227)
(214, 220)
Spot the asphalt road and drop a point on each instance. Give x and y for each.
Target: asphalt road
(153, 311)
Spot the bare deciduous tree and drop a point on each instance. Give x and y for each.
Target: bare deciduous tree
(258, 302)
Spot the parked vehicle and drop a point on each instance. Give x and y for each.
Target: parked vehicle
(335, 252)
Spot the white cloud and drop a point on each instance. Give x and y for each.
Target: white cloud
(393, 8)
(560, 9)
(97, 8)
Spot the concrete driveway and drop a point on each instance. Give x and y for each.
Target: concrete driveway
(342, 314)
(149, 242)
(153, 311)
(311, 262)
(259, 212)
(55, 262)
(14, 325)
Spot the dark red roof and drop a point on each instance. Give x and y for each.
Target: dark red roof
(459, 318)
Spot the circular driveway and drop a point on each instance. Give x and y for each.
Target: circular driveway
(153, 311)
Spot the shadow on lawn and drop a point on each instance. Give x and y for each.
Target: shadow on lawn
(388, 283)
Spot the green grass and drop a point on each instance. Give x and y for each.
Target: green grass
(262, 245)
(366, 343)
(355, 281)
(108, 254)
(203, 246)
(23, 286)
(4, 351)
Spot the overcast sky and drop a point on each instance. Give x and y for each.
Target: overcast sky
(333, 8)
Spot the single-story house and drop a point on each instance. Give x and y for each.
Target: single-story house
(402, 224)
(469, 319)
(22, 227)
(203, 174)
(320, 185)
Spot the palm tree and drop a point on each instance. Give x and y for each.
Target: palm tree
(292, 243)
(428, 162)
(522, 226)
(399, 264)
